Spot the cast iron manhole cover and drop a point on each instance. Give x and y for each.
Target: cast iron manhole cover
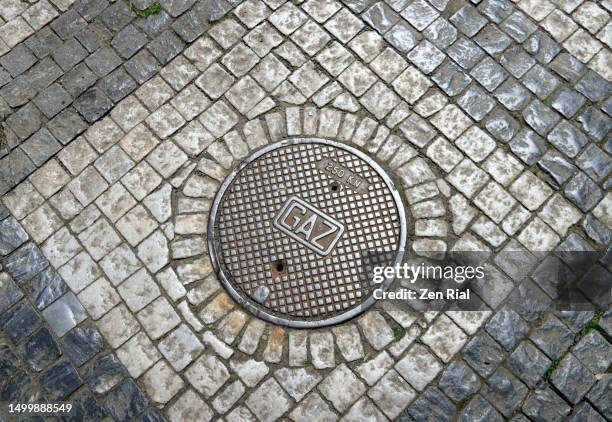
(290, 226)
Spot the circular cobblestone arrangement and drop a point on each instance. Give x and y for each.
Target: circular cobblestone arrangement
(290, 226)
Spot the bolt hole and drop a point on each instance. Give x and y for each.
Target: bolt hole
(334, 186)
(280, 267)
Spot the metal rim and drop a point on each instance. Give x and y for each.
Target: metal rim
(212, 250)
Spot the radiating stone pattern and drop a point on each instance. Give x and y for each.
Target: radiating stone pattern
(492, 116)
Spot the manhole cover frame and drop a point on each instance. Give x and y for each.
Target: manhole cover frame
(267, 315)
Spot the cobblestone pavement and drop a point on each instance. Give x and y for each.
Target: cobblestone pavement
(122, 118)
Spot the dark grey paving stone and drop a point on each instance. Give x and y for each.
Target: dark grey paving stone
(178, 7)
(540, 117)
(552, 337)
(528, 146)
(154, 24)
(401, 36)
(476, 102)
(451, 79)
(518, 26)
(68, 24)
(94, 37)
(90, 9)
(53, 100)
(594, 351)
(15, 167)
(483, 354)
(540, 81)
(584, 412)
(528, 363)
(69, 54)
(468, 20)
(25, 121)
(78, 80)
(516, 61)
(40, 350)
(479, 410)
(142, 66)
(575, 320)
(583, 192)
(61, 380)
(85, 408)
(607, 108)
(12, 236)
(496, 10)
(128, 41)
(82, 343)
(596, 230)
(166, 46)
(45, 287)
(501, 125)
(492, 40)
(542, 47)
(118, 85)
(529, 301)
(151, 415)
(4, 212)
(567, 66)
(594, 87)
(595, 285)
(192, 24)
(489, 74)
(576, 252)
(441, 33)
(599, 396)
(43, 74)
(103, 61)
(432, 404)
(595, 123)
(552, 275)
(117, 16)
(381, 17)
(18, 60)
(507, 328)
(595, 162)
(504, 391)
(64, 314)
(66, 126)
(25, 263)
(465, 53)
(8, 362)
(17, 92)
(22, 388)
(93, 104)
(19, 321)
(572, 379)
(513, 95)
(43, 42)
(545, 405)
(41, 146)
(605, 321)
(557, 166)
(125, 401)
(9, 292)
(567, 102)
(567, 138)
(103, 373)
(459, 381)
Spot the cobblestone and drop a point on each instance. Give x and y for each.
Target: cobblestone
(124, 204)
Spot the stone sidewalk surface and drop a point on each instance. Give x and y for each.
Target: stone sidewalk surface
(493, 117)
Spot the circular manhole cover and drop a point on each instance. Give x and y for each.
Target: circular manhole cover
(290, 227)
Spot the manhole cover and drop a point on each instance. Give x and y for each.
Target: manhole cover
(291, 225)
